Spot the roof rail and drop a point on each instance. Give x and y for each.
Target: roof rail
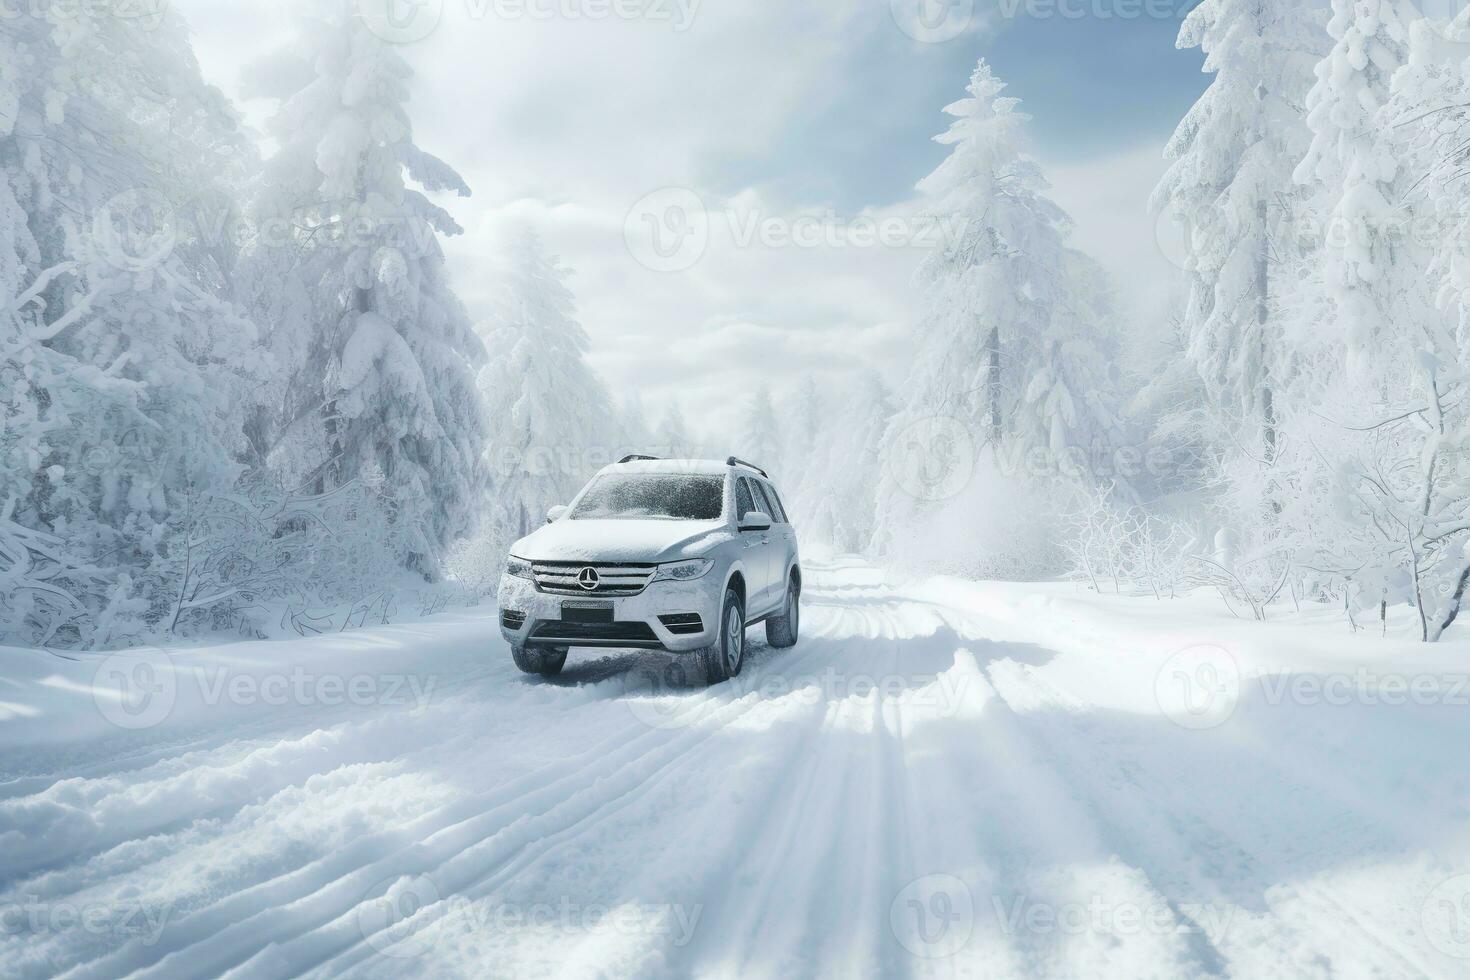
(737, 461)
(636, 457)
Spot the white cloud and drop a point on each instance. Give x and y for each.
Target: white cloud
(1108, 198)
(564, 123)
(745, 312)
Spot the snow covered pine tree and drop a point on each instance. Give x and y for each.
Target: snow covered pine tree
(385, 387)
(1008, 343)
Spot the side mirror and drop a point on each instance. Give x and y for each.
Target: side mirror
(755, 521)
(555, 514)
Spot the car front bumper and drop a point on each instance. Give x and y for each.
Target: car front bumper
(636, 619)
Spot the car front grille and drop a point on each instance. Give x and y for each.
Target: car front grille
(612, 578)
(572, 633)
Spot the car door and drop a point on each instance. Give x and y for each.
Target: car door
(783, 542)
(758, 548)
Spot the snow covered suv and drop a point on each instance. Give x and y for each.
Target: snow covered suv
(676, 555)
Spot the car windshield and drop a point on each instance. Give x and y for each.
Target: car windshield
(659, 496)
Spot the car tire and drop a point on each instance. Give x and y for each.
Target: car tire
(546, 661)
(782, 630)
(726, 657)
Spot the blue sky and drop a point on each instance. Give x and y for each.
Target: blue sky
(1093, 86)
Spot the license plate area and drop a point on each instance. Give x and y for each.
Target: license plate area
(589, 613)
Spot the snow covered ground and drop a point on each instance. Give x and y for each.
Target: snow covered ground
(943, 778)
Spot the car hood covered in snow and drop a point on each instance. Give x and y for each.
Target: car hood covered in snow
(640, 541)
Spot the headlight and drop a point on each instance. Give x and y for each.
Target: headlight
(684, 571)
(518, 568)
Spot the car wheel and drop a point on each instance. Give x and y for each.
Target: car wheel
(546, 661)
(781, 631)
(724, 659)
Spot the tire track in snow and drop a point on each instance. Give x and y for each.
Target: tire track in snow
(816, 652)
(794, 823)
(814, 810)
(1192, 832)
(181, 751)
(993, 808)
(333, 905)
(681, 748)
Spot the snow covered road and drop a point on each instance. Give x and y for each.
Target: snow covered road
(942, 778)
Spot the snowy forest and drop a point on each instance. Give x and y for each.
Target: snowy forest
(240, 394)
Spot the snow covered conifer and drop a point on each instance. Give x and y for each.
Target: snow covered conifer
(1007, 338)
(1230, 183)
(673, 435)
(760, 433)
(1378, 477)
(123, 368)
(833, 492)
(551, 419)
(1353, 155)
(804, 414)
(350, 277)
(633, 422)
(990, 292)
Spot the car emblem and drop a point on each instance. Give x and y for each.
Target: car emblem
(589, 579)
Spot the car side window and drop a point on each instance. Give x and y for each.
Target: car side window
(772, 507)
(759, 499)
(744, 502)
(777, 511)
